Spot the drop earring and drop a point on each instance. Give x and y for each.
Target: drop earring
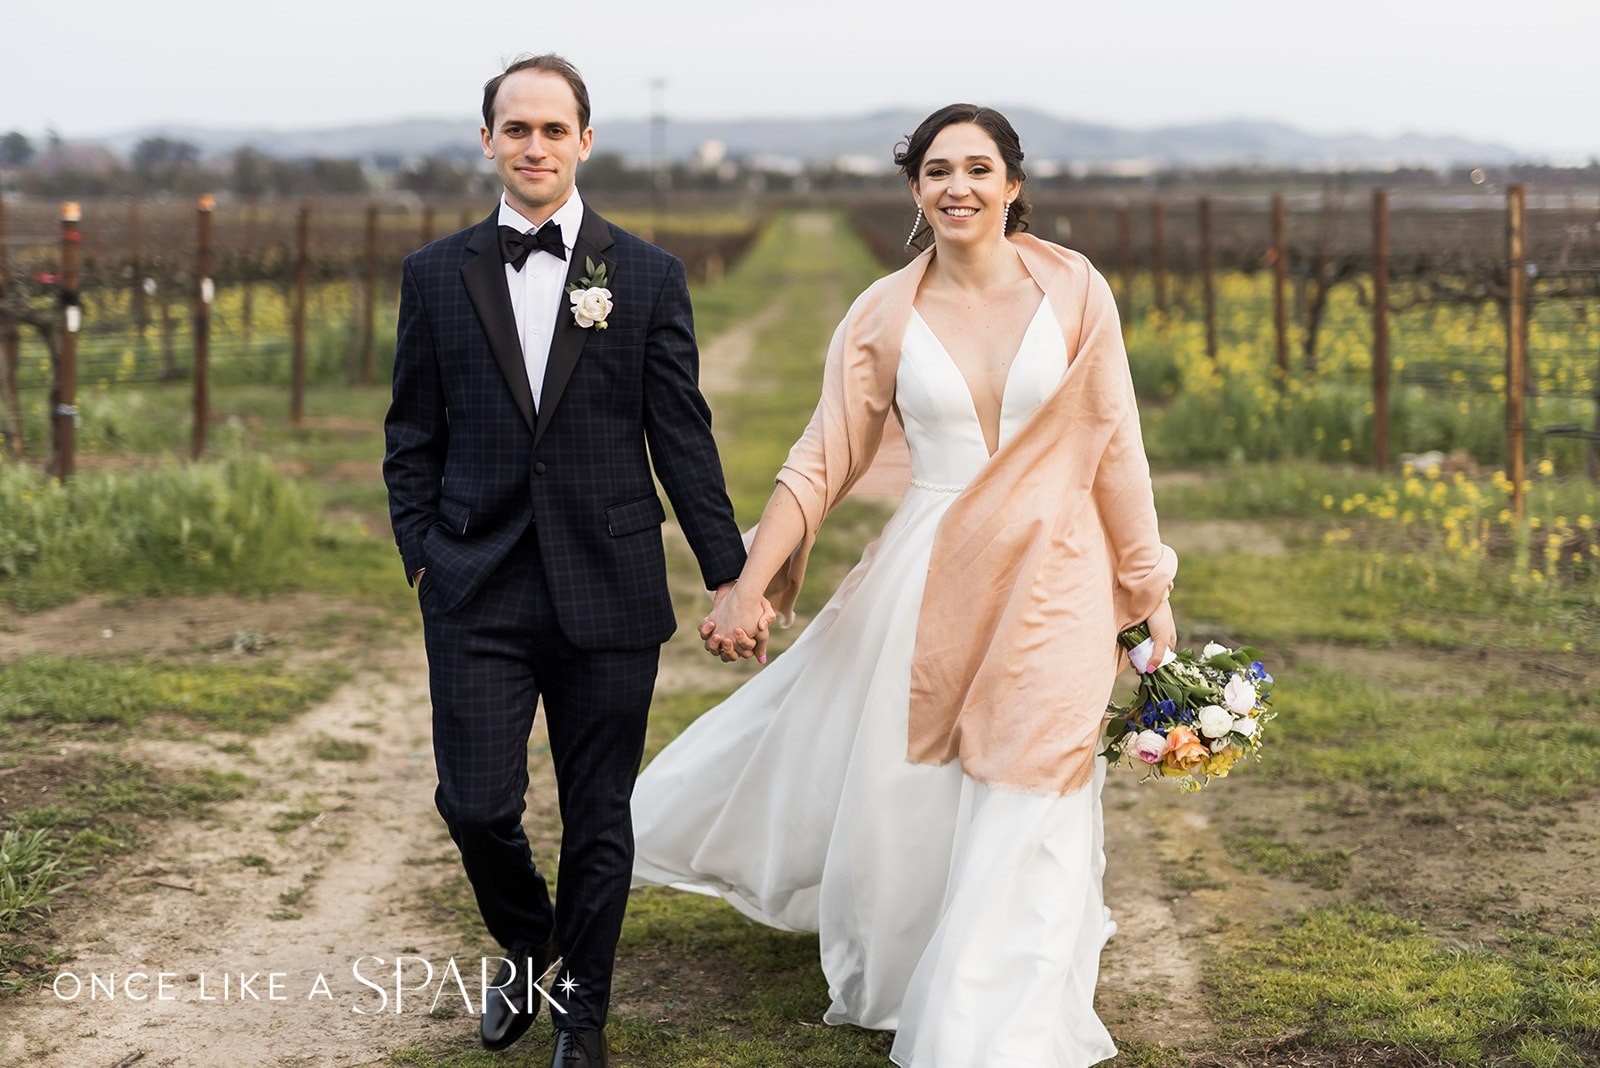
(916, 224)
(1005, 218)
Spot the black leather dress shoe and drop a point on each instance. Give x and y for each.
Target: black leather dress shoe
(580, 1047)
(508, 1012)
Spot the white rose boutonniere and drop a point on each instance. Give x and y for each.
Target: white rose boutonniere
(591, 300)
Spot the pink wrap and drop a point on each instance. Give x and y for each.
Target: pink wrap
(1038, 564)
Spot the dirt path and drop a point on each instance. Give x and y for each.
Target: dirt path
(322, 865)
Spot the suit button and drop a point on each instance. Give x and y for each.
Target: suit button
(538, 468)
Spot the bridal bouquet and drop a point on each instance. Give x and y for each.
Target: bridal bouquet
(1194, 717)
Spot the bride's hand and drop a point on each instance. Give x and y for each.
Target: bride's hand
(1164, 633)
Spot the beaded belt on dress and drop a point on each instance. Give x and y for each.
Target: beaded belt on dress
(935, 487)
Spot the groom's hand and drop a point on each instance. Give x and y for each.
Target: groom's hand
(727, 634)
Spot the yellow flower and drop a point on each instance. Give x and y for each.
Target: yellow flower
(1546, 468)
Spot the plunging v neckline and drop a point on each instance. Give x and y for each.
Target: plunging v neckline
(1005, 387)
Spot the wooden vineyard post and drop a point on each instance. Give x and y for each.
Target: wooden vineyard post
(247, 308)
(1208, 280)
(302, 258)
(1158, 256)
(369, 296)
(141, 297)
(10, 355)
(1516, 344)
(1125, 262)
(204, 291)
(1380, 329)
(64, 385)
(1280, 283)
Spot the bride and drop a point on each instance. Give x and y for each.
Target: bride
(916, 778)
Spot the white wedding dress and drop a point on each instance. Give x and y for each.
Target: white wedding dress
(969, 919)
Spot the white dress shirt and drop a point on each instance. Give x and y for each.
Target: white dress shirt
(537, 291)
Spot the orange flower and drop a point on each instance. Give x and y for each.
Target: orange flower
(1185, 752)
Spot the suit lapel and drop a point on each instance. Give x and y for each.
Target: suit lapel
(484, 275)
(594, 238)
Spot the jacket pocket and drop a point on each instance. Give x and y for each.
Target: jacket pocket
(455, 515)
(630, 517)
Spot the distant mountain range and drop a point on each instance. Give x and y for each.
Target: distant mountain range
(867, 141)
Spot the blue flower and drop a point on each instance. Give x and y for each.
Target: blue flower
(1169, 708)
(1258, 670)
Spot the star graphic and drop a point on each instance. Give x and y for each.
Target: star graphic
(568, 984)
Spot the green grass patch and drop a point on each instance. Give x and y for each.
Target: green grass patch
(258, 863)
(326, 747)
(1347, 975)
(237, 525)
(1373, 598)
(1263, 849)
(106, 805)
(670, 713)
(1522, 744)
(43, 690)
(31, 874)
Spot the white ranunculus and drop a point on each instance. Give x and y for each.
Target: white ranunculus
(1247, 726)
(591, 306)
(1215, 721)
(1239, 695)
(1213, 649)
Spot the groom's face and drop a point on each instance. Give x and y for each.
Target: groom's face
(536, 144)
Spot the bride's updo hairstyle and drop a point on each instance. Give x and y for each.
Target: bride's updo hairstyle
(909, 153)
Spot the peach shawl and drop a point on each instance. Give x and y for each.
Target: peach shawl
(1037, 565)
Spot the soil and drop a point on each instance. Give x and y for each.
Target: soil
(174, 626)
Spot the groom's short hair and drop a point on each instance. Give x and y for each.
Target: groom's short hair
(550, 63)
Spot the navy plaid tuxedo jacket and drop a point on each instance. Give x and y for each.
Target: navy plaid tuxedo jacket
(470, 463)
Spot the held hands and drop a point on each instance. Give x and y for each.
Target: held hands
(737, 627)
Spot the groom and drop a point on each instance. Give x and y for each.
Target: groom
(526, 515)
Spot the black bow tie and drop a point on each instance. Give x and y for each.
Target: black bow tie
(516, 246)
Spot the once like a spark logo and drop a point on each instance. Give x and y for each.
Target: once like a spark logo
(567, 985)
(555, 1006)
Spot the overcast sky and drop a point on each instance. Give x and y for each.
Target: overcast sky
(1519, 73)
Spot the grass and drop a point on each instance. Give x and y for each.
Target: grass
(326, 747)
(1261, 848)
(1344, 975)
(101, 807)
(44, 692)
(30, 875)
(1519, 742)
(235, 525)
